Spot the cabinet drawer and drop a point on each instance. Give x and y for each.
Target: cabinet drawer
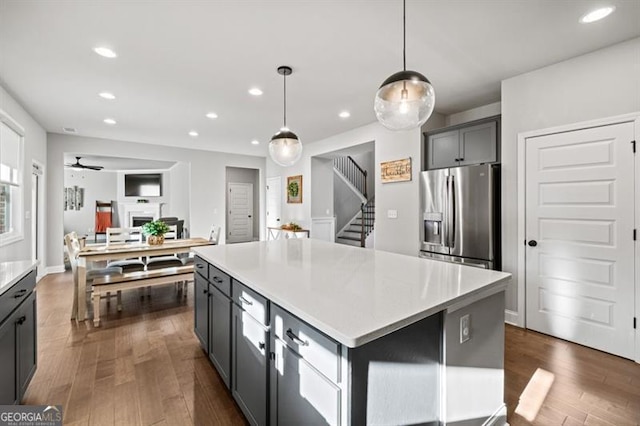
(316, 348)
(16, 294)
(201, 267)
(254, 304)
(221, 280)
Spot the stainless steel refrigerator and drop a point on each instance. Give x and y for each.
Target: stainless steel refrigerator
(461, 215)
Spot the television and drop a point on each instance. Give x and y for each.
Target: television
(143, 185)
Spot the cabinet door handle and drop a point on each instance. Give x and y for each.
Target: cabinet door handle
(217, 280)
(262, 345)
(20, 293)
(205, 291)
(199, 266)
(296, 339)
(248, 302)
(21, 320)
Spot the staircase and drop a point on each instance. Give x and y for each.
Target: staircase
(361, 225)
(356, 233)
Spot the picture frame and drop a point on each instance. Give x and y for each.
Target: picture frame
(294, 189)
(396, 170)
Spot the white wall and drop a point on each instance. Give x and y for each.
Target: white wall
(179, 184)
(321, 187)
(240, 175)
(207, 189)
(98, 186)
(397, 235)
(483, 111)
(35, 148)
(599, 84)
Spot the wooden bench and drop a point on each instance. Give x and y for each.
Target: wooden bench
(131, 280)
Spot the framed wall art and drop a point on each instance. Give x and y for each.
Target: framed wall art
(395, 171)
(294, 189)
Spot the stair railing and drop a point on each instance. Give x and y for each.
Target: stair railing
(353, 172)
(368, 218)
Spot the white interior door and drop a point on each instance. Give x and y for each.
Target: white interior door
(240, 213)
(579, 210)
(274, 201)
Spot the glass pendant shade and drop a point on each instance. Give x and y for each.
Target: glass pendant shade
(285, 148)
(404, 101)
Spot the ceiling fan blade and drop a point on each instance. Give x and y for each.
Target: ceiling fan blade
(93, 167)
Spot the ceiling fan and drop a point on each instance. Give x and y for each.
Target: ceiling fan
(77, 165)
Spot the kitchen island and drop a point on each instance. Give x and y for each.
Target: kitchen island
(309, 332)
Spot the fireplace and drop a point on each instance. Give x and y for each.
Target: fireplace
(137, 214)
(140, 220)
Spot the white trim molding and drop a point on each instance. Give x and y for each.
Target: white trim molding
(521, 274)
(58, 269)
(323, 228)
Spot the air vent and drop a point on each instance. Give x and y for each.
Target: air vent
(69, 130)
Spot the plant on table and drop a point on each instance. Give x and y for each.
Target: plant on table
(291, 226)
(155, 231)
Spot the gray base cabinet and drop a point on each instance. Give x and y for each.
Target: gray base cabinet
(201, 309)
(463, 145)
(220, 333)
(18, 339)
(250, 367)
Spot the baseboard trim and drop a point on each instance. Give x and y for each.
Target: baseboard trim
(512, 317)
(58, 269)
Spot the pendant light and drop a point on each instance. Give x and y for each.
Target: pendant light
(406, 99)
(285, 148)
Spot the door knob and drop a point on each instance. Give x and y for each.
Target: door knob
(532, 243)
(249, 215)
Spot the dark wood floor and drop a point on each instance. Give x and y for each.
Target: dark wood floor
(144, 366)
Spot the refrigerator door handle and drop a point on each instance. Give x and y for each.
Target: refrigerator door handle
(451, 219)
(445, 221)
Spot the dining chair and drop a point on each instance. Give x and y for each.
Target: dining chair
(72, 246)
(122, 236)
(159, 262)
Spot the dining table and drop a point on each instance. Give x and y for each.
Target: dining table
(119, 251)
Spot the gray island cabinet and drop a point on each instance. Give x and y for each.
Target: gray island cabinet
(310, 332)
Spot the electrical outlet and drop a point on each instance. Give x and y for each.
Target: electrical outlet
(392, 214)
(465, 328)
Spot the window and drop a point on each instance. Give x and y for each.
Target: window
(11, 148)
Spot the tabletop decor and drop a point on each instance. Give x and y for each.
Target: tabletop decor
(291, 226)
(294, 189)
(155, 231)
(395, 171)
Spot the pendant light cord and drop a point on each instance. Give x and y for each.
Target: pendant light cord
(404, 34)
(285, 100)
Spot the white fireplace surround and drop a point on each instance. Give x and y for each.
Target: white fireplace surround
(131, 210)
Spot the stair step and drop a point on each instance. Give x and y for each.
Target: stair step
(348, 242)
(350, 235)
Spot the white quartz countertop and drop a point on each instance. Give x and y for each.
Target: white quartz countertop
(12, 272)
(353, 295)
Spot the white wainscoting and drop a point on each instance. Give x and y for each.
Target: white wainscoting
(323, 228)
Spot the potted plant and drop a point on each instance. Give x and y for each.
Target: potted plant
(155, 231)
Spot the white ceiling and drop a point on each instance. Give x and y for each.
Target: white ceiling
(178, 60)
(118, 163)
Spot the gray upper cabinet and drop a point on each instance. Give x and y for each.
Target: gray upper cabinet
(463, 145)
(478, 144)
(443, 150)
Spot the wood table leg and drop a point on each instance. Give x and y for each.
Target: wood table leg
(82, 289)
(96, 309)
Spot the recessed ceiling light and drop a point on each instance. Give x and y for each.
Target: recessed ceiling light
(255, 91)
(212, 115)
(344, 114)
(109, 121)
(596, 15)
(193, 134)
(107, 95)
(255, 142)
(105, 51)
